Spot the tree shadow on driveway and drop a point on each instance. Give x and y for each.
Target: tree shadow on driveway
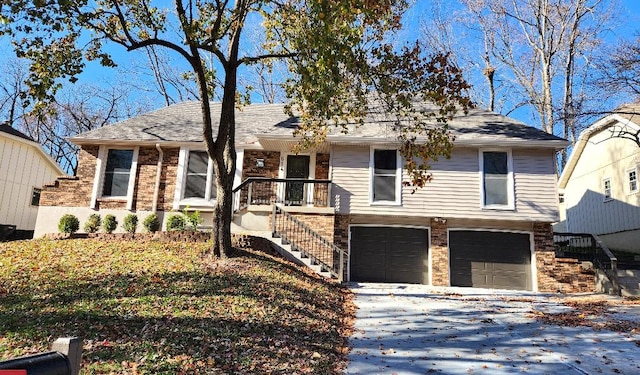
(414, 329)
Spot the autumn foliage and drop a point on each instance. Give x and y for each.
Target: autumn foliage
(164, 308)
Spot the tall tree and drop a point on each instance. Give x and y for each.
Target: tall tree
(338, 53)
(535, 54)
(622, 68)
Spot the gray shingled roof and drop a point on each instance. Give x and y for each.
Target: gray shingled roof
(6, 128)
(182, 123)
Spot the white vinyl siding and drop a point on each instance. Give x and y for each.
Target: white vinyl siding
(453, 192)
(603, 157)
(22, 167)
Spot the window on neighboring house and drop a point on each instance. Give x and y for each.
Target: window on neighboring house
(117, 173)
(606, 187)
(199, 183)
(35, 196)
(496, 179)
(386, 175)
(632, 176)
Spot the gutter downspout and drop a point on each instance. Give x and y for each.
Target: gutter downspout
(156, 191)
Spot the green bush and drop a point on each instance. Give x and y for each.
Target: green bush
(109, 224)
(151, 223)
(93, 223)
(130, 223)
(193, 218)
(176, 222)
(68, 224)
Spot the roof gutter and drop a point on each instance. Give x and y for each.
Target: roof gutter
(156, 190)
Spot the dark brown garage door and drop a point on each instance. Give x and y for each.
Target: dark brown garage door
(485, 259)
(389, 254)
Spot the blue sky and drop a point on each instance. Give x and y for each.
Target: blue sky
(627, 26)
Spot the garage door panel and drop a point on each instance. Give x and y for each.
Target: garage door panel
(490, 259)
(389, 254)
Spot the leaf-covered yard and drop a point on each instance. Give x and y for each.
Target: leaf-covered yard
(153, 308)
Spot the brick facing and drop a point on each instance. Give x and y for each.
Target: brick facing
(439, 252)
(558, 274)
(76, 191)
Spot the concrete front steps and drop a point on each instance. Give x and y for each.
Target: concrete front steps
(283, 249)
(630, 282)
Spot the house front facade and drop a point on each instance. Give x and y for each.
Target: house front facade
(24, 168)
(600, 181)
(483, 221)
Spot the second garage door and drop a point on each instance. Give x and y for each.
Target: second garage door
(485, 259)
(389, 254)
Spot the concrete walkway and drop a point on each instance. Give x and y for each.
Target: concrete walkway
(415, 329)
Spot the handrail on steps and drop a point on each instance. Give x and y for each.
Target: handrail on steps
(310, 244)
(587, 246)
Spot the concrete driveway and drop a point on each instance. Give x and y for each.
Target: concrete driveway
(415, 329)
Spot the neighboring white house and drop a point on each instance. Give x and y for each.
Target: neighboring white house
(24, 168)
(600, 181)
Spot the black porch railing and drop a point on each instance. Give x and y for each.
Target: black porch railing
(588, 247)
(310, 244)
(287, 191)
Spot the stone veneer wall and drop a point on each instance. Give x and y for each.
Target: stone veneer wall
(439, 252)
(341, 239)
(558, 274)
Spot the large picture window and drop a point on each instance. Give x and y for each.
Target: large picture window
(496, 179)
(385, 175)
(117, 173)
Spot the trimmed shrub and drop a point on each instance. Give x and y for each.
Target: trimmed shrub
(109, 224)
(93, 223)
(130, 223)
(151, 223)
(176, 222)
(68, 224)
(193, 218)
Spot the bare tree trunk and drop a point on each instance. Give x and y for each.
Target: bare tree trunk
(224, 166)
(489, 72)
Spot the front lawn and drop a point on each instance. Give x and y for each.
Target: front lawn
(165, 308)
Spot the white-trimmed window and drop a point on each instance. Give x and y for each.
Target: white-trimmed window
(496, 179)
(117, 173)
(386, 176)
(632, 180)
(196, 183)
(606, 189)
